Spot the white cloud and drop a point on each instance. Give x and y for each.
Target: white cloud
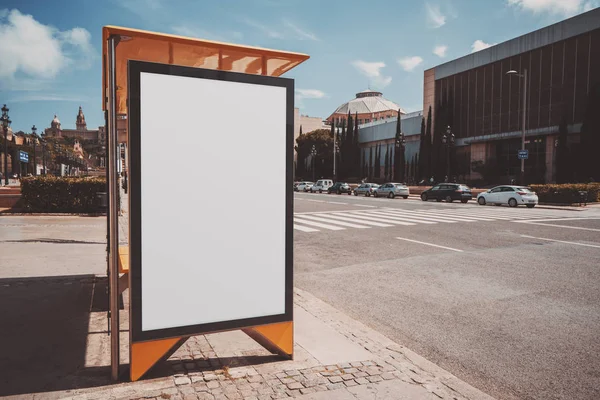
(440, 51)
(557, 7)
(309, 94)
(435, 18)
(265, 29)
(372, 70)
(410, 63)
(40, 51)
(301, 34)
(480, 45)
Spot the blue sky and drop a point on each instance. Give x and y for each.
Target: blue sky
(50, 50)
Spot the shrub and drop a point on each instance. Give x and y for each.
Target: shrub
(57, 194)
(566, 193)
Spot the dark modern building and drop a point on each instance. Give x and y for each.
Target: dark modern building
(483, 105)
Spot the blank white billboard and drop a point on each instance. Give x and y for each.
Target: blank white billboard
(213, 170)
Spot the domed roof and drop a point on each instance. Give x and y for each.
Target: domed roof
(55, 120)
(368, 101)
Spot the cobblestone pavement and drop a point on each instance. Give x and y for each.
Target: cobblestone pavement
(196, 371)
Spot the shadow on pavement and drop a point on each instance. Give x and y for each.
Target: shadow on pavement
(44, 334)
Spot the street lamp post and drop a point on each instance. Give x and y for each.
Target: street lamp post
(5, 125)
(524, 76)
(400, 146)
(313, 153)
(44, 157)
(34, 135)
(448, 142)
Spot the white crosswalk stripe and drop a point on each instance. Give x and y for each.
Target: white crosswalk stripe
(388, 217)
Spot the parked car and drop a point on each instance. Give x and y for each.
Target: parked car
(304, 186)
(448, 192)
(392, 190)
(321, 185)
(366, 189)
(339, 188)
(511, 195)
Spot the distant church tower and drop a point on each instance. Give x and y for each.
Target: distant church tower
(81, 124)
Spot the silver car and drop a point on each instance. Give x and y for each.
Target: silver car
(392, 190)
(304, 186)
(365, 189)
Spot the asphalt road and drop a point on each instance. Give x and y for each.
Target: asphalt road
(506, 299)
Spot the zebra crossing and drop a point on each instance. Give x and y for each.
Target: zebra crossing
(388, 217)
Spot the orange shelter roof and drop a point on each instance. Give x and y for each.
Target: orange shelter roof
(178, 50)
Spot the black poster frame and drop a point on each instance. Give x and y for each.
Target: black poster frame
(135, 69)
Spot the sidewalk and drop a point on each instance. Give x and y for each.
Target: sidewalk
(336, 358)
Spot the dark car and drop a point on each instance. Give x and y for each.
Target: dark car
(339, 188)
(448, 192)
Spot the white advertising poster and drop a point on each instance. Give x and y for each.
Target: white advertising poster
(210, 199)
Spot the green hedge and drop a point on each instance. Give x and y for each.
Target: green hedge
(567, 193)
(56, 194)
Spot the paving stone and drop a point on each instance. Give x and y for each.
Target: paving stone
(212, 384)
(234, 396)
(335, 379)
(197, 378)
(360, 374)
(281, 375)
(273, 382)
(190, 396)
(182, 380)
(292, 372)
(265, 390)
(200, 387)
(293, 393)
(367, 363)
(347, 377)
(255, 378)
(388, 375)
(345, 365)
(374, 378)
(350, 383)
(287, 381)
(321, 388)
(351, 370)
(205, 396)
(210, 377)
(361, 381)
(307, 390)
(256, 385)
(335, 386)
(295, 385)
(247, 393)
(356, 364)
(281, 395)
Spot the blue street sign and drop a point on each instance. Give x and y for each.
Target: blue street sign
(23, 156)
(523, 154)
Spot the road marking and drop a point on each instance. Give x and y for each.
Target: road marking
(400, 218)
(364, 205)
(430, 244)
(362, 216)
(562, 219)
(304, 228)
(558, 226)
(316, 201)
(362, 222)
(421, 216)
(330, 221)
(562, 241)
(336, 202)
(320, 212)
(317, 224)
(447, 217)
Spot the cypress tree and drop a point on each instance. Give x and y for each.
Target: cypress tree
(415, 169)
(356, 149)
(399, 159)
(428, 147)
(386, 163)
(422, 151)
(370, 174)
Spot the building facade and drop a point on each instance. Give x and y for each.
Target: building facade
(483, 105)
(368, 106)
(381, 134)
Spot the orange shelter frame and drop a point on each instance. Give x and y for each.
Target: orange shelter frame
(119, 45)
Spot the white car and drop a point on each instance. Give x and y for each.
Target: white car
(321, 186)
(304, 186)
(392, 190)
(511, 195)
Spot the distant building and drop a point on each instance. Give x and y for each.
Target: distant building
(81, 131)
(369, 106)
(484, 104)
